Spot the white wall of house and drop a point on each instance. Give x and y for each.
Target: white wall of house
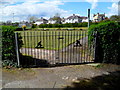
(63, 22)
(98, 17)
(51, 21)
(41, 22)
(38, 22)
(75, 21)
(72, 21)
(84, 20)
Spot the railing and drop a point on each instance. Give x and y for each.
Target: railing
(56, 47)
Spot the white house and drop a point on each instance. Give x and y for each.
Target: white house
(84, 19)
(41, 21)
(55, 20)
(75, 19)
(51, 21)
(98, 17)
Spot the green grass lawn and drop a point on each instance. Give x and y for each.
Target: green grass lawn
(50, 38)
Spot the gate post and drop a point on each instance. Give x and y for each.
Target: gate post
(95, 46)
(17, 49)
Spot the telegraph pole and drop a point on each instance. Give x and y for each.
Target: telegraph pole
(88, 18)
(119, 8)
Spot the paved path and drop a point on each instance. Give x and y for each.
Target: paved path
(83, 41)
(57, 77)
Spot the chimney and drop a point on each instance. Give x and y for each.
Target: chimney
(73, 14)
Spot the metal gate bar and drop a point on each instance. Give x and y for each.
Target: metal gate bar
(58, 47)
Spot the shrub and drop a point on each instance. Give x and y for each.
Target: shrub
(108, 41)
(49, 25)
(8, 43)
(44, 25)
(8, 64)
(55, 25)
(83, 24)
(34, 25)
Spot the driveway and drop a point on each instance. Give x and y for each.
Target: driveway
(57, 77)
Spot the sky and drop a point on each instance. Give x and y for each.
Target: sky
(19, 10)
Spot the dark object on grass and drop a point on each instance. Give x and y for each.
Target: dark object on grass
(39, 45)
(19, 29)
(77, 43)
(61, 38)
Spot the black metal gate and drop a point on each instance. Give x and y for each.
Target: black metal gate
(56, 47)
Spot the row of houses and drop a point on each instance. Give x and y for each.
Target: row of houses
(56, 19)
(71, 19)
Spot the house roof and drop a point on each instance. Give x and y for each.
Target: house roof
(51, 19)
(83, 17)
(54, 18)
(42, 19)
(99, 14)
(76, 16)
(73, 17)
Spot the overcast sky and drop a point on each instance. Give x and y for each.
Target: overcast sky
(22, 9)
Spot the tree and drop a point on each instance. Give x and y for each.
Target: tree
(115, 18)
(9, 22)
(32, 19)
(106, 18)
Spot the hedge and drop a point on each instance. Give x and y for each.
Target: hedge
(107, 41)
(8, 43)
(84, 24)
